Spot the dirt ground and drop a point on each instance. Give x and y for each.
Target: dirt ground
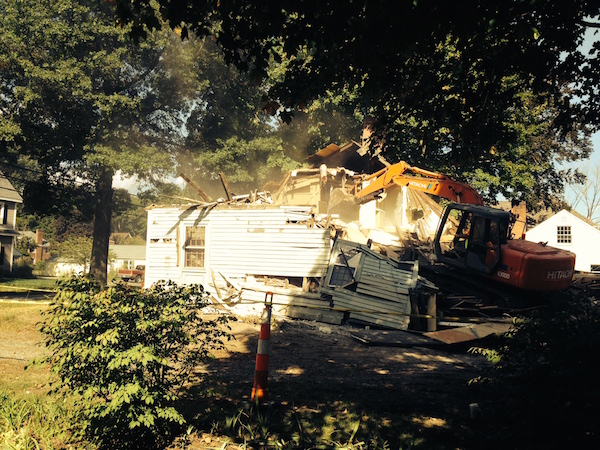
(348, 358)
(314, 365)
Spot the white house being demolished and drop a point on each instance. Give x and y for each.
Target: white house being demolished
(323, 257)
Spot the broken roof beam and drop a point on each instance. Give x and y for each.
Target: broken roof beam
(252, 197)
(203, 194)
(225, 186)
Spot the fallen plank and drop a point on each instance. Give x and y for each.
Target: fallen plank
(282, 296)
(230, 282)
(468, 333)
(392, 338)
(215, 285)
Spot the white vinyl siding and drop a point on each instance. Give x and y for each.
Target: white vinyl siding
(238, 241)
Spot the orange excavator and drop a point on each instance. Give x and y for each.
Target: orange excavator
(474, 237)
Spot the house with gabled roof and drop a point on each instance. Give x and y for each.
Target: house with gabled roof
(127, 256)
(9, 198)
(571, 231)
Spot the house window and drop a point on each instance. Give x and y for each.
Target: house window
(563, 234)
(3, 214)
(195, 246)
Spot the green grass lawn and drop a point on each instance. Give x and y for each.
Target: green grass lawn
(30, 418)
(22, 284)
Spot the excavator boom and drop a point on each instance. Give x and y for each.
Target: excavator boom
(402, 174)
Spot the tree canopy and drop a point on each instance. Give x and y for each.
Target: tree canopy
(445, 81)
(587, 194)
(79, 102)
(496, 93)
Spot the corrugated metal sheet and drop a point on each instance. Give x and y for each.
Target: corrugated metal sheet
(380, 288)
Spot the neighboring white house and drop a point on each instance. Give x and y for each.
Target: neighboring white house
(209, 244)
(9, 198)
(63, 267)
(127, 256)
(571, 231)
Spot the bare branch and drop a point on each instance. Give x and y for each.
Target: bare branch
(588, 194)
(587, 23)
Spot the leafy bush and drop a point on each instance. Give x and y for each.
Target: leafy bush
(22, 268)
(545, 376)
(127, 354)
(40, 267)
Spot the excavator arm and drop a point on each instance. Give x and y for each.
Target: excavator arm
(402, 174)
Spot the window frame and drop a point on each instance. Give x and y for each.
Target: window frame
(564, 234)
(3, 213)
(190, 248)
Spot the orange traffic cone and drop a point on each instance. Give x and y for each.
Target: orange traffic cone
(260, 390)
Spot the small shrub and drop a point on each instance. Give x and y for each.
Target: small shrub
(40, 267)
(113, 276)
(127, 354)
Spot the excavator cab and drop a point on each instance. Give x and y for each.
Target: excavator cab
(471, 237)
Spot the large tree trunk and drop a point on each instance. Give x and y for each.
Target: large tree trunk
(103, 212)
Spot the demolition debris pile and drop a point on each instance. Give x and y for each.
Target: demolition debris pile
(336, 246)
(324, 257)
